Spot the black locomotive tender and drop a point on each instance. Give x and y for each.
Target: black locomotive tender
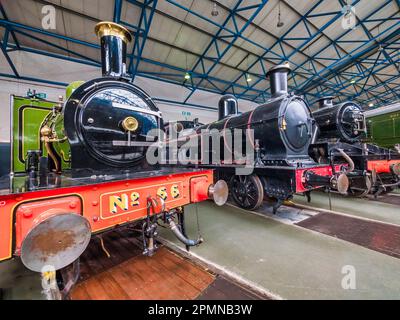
(341, 136)
(283, 131)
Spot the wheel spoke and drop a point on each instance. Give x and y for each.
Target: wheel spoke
(246, 191)
(251, 197)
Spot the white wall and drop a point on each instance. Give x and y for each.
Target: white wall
(38, 66)
(11, 86)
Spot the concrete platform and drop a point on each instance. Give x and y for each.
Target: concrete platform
(360, 207)
(18, 282)
(287, 260)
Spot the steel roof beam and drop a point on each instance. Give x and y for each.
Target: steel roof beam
(3, 45)
(349, 56)
(333, 42)
(303, 19)
(214, 42)
(18, 26)
(370, 51)
(3, 12)
(140, 39)
(135, 28)
(232, 32)
(311, 39)
(117, 11)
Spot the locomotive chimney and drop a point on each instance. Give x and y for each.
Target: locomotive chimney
(227, 106)
(325, 102)
(113, 41)
(278, 77)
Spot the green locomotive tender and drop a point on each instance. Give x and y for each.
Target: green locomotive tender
(384, 126)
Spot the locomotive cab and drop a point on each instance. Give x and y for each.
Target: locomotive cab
(270, 143)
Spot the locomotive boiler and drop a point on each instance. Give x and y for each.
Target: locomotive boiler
(343, 121)
(87, 171)
(342, 135)
(276, 135)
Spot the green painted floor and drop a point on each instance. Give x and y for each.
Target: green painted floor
(360, 207)
(287, 260)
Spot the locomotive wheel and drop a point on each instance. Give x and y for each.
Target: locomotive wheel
(358, 193)
(247, 191)
(361, 192)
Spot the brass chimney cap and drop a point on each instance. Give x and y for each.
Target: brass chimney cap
(107, 28)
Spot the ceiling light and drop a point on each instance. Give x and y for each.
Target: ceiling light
(348, 14)
(349, 17)
(352, 81)
(248, 78)
(370, 105)
(214, 11)
(187, 76)
(280, 23)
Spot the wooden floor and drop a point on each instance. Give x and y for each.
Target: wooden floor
(127, 274)
(163, 276)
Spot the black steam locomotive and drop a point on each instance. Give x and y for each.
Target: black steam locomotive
(341, 137)
(105, 123)
(279, 134)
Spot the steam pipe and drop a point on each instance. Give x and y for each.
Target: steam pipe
(348, 160)
(278, 78)
(113, 42)
(177, 232)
